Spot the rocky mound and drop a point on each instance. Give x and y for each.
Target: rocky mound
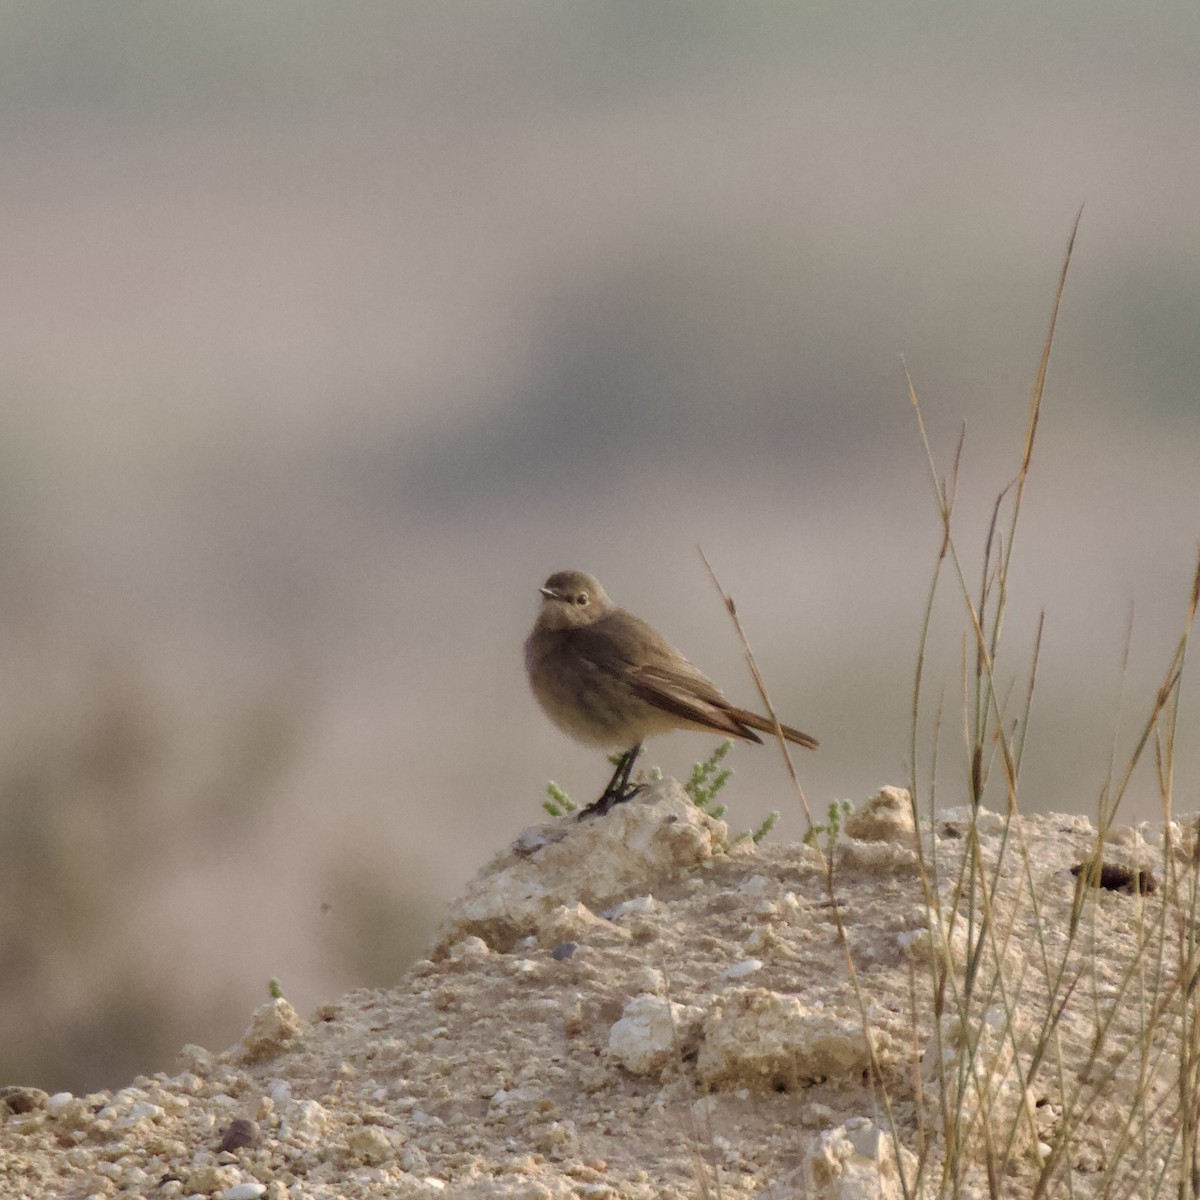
(631, 1007)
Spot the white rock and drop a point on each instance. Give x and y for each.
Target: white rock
(244, 1191)
(274, 1026)
(371, 1145)
(764, 1039)
(470, 947)
(140, 1113)
(209, 1178)
(856, 1161)
(648, 979)
(56, 1104)
(886, 817)
(305, 1120)
(195, 1059)
(748, 966)
(67, 1111)
(637, 906)
(657, 837)
(577, 923)
(651, 1031)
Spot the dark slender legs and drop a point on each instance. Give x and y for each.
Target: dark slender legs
(619, 789)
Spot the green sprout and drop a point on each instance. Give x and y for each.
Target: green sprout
(837, 812)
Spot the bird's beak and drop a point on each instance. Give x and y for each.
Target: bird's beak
(548, 594)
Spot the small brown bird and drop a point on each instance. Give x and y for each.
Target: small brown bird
(609, 679)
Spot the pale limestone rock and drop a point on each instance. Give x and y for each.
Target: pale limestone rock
(886, 817)
(652, 1032)
(306, 1121)
(469, 947)
(370, 1145)
(877, 858)
(245, 1191)
(652, 839)
(762, 1039)
(68, 1112)
(856, 1161)
(208, 1178)
(274, 1026)
(577, 923)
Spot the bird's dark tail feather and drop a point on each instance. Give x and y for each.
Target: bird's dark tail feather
(765, 726)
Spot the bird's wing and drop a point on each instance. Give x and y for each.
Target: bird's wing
(633, 652)
(690, 695)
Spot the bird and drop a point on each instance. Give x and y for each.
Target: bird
(608, 679)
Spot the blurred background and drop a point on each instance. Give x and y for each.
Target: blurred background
(330, 331)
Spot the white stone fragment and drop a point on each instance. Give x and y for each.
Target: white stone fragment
(371, 1145)
(886, 817)
(57, 1104)
(470, 947)
(748, 966)
(650, 1033)
(244, 1191)
(274, 1026)
(209, 1178)
(188, 1081)
(637, 906)
(195, 1059)
(856, 1161)
(68, 1112)
(305, 1120)
(140, 1114)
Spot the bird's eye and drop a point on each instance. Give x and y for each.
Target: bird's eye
(581, 599)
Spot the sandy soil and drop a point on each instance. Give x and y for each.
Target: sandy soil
(630, 1007)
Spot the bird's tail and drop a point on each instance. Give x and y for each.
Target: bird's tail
(765, 726)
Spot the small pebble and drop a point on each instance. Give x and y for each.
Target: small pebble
(470, 947)
(746, 967)
(244, 1191)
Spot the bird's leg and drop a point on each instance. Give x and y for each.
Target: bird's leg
(619, 789)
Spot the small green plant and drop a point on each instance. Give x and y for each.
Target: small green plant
(756, 835)
(559, 803)
(836, 813)
(275, 989)
(706, 781)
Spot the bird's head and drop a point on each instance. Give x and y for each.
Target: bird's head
(571, 599)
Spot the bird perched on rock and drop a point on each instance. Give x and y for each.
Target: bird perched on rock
(608, 679)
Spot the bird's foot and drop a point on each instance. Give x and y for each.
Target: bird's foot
(610, 800)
